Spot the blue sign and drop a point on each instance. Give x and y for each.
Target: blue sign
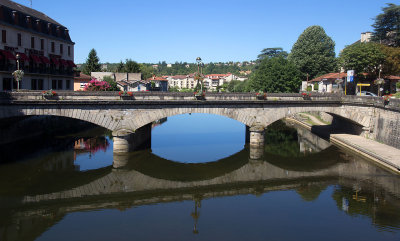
(350, 75)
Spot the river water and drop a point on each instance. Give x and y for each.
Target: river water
(199, 181)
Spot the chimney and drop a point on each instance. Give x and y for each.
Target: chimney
(366, 37)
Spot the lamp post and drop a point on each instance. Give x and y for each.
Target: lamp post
(200, 66)
(17, 79)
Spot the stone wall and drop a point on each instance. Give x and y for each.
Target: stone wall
(388, 128)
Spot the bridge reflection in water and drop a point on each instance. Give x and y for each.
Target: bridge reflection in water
(34, 198)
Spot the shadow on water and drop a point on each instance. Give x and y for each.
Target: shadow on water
(154, 166)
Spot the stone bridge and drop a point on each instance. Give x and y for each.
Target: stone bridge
(124, 117)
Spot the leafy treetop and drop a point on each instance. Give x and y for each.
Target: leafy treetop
(387, 26)
(314, 53)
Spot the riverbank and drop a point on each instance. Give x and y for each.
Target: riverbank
(384, 155)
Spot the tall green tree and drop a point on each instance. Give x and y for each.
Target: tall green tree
(120, 67)
(391, 65)
(314, 53)
(131, 66)
(92, 63)
(362, 58)
(272, 52)
(387, 26)
(276, 75)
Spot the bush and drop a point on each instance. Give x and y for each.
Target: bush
(398, 85)
(96, 85)
(397, 95)
(309, 88)
(316, 86)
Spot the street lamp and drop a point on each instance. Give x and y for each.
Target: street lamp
(18, 58)
(200, 66)
(18, 74)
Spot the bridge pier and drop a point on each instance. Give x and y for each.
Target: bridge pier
(257, 136)
(256, 152)
(126, 141)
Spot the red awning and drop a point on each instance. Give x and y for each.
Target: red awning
(36, 59)
(8, 54)
(63, 62)
(23, 57)
(45, 60)
(55, 61)
(71, 63)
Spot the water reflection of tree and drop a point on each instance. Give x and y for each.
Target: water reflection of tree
(282, 140)
(310, 192)
(383, 209)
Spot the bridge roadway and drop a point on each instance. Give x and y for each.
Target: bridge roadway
(124, 117)
(106, 110)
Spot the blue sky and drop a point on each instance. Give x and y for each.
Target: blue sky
(216, 30)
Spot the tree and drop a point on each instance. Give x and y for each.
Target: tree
(92, 63)
(314, 53)
(113, 85)
(391, 64)
(272, 52)
(387, 26)
(276, 75)
(120, 67)
(362, 58)
(147, 71)
(131, 66)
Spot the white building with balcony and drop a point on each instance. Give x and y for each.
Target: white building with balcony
(44, 47)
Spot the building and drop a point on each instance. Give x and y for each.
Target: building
(157, 84)
(132, 85)
(326, 83)
(44, 47)
(81, 80)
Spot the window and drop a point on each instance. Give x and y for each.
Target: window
(32, 42)
(40, 84)
(69, 50)
(61, 48)
(34, 84)
(4, 36)
(7, 83)
(68, 84)
(19, 39)
(54, 84)
(42, 44)
(52, 47)
(83, 84)
(60, 86)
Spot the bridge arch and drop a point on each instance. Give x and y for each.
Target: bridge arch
(128, 118)
(250, 116)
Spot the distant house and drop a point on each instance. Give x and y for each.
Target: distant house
(81, 80)
(132, 85)
(125, 81)
(326, 82)
(157, 84)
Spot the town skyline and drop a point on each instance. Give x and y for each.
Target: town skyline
(218, 32)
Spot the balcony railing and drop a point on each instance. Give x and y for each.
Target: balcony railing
(37, 70)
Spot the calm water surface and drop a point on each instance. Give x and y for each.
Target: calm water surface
(199, 181)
